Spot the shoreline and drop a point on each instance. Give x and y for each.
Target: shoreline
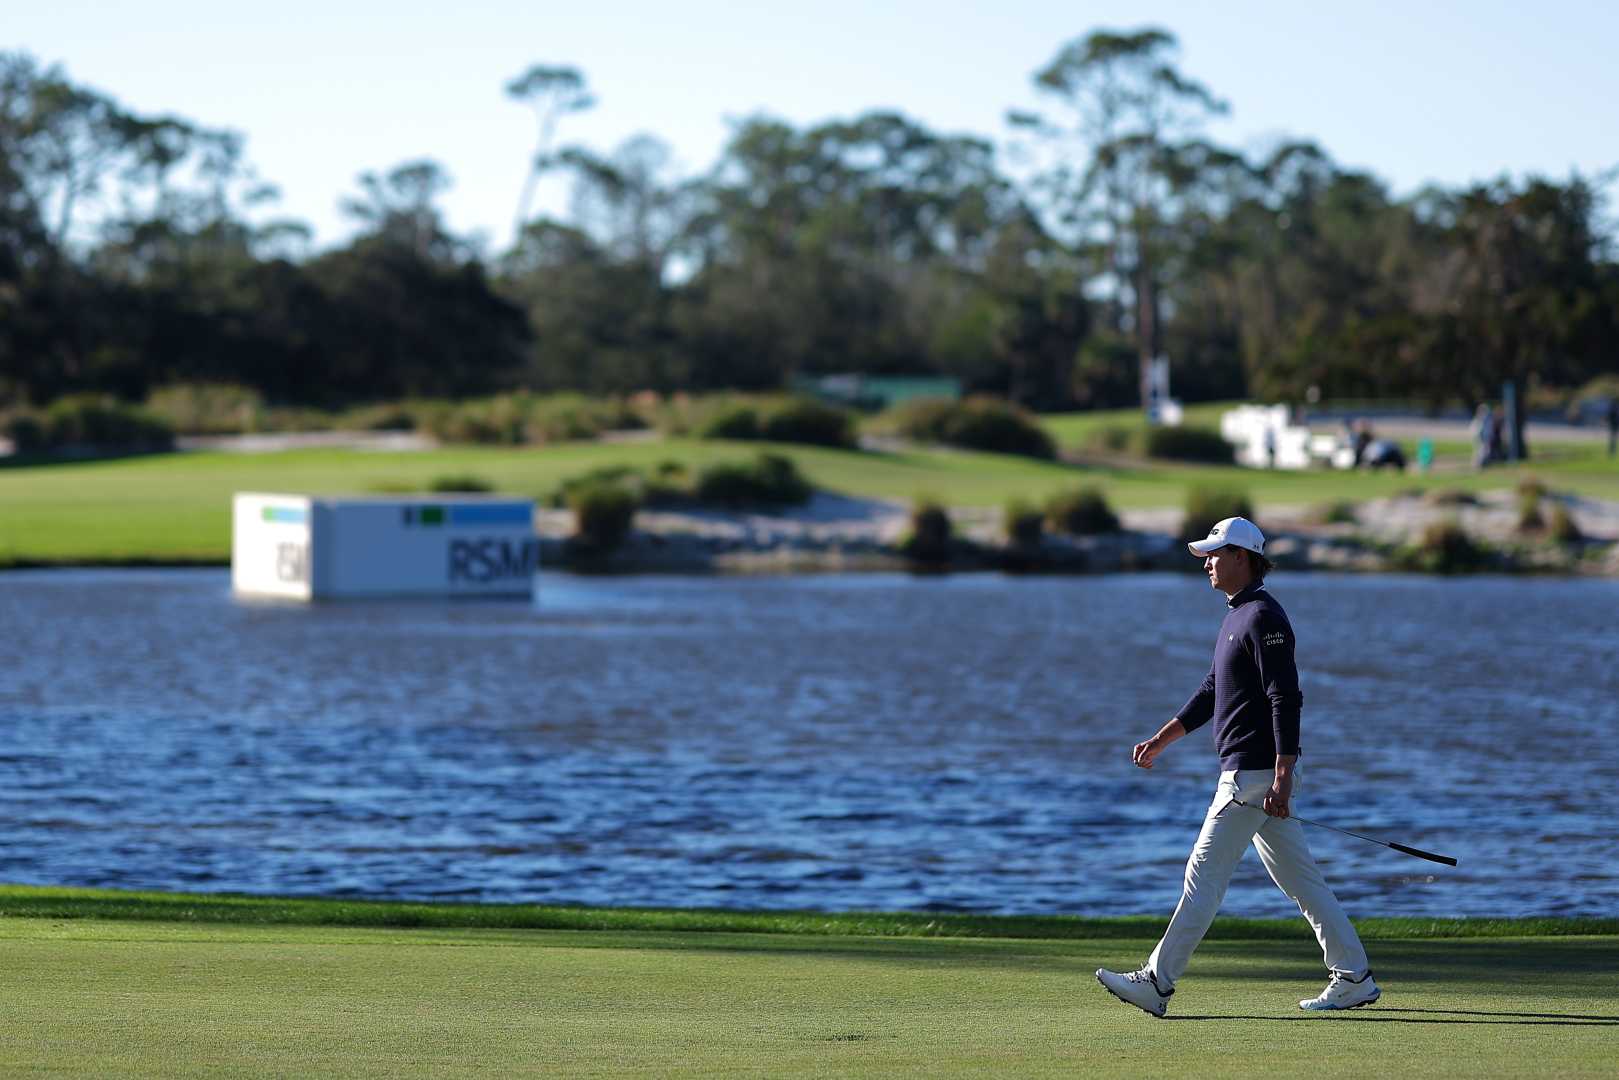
(1400, 534)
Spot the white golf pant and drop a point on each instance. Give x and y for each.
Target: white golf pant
(1280, 842)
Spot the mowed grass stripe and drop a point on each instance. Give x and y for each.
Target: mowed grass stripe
(91, 997)
(57, 903)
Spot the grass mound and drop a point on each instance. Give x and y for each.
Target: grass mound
(978, 423)
(1195, 444)
(802, 420)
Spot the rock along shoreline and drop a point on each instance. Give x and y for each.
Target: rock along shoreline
(835, 534)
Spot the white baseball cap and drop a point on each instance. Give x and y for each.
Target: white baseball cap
(1232, 532)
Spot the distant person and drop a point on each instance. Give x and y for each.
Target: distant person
(1483, 431)
(1613, 424)
(1270, 446)
(1384, 453)
(1498, 436)
(1424, 455)
(1362, 439)
(1251, 693)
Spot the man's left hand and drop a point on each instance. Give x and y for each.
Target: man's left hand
(1276, 800)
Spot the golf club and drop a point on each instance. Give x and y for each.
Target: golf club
(1418, 852)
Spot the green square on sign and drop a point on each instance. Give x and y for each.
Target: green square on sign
(432, 515)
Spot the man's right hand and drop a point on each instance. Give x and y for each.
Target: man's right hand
(1146, 752)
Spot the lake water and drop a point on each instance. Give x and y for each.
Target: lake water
(843, 742)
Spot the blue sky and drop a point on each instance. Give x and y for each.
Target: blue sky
(1414, 92)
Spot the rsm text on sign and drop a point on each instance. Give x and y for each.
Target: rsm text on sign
(482, 561)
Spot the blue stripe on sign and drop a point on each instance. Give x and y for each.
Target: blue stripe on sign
(286, 515)
(498, 514)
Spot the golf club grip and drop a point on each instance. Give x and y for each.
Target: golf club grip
(1419, 853)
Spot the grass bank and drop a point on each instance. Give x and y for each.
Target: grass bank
(176, 507)
(86, 995)
(56, 903)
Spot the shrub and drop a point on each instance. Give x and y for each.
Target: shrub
(460, 482)
(931, 532)
(519, 418)
(669, 485)
(26, 431)
(207, 408)
(1112, 439)
(1025, 525)
(282, 418)
(978, 423)
(771, 419)
(998, 427)
(1205, 507)
(602, 476)
(1170, 443)
(1530, 487)
(1562, 527)
(734, 422)
(666, 485)
(466, 422)
(923, 419)
(565, 417)
(1529, 519)
(510, 419)
(1081, 512)
(1340, 512)
(1451, 497)
(89, 420)
(1188, 444)
(391, 416)
(1446, 548)
(603, 514)
(768, 480)
(806, 420)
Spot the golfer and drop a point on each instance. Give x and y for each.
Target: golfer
(1252, 695)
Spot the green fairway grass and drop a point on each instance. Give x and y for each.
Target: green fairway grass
(175, 508)
(86, 995)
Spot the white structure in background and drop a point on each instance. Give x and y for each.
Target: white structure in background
(302, 547)
(1266, 437)
(1161, 408)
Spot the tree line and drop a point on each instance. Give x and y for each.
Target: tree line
(141, 251)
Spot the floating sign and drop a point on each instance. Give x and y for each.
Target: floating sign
(302, 547)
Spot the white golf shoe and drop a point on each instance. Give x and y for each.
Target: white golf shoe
(1136, 988)
(1344, 993)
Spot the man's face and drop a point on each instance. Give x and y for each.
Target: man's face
(1228, 569)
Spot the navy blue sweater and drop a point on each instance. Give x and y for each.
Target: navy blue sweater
(1252, 689)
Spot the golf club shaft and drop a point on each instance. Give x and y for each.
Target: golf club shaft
(1418, 852)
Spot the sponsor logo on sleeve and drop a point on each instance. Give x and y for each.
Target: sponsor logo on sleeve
(1275, 637)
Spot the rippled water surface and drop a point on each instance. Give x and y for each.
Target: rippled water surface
(870, 742)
